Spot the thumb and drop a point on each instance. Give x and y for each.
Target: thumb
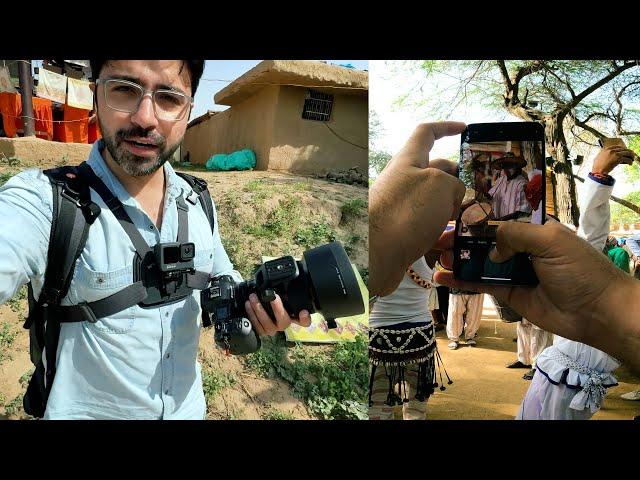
(416, 150)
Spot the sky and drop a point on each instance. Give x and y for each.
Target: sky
(385, 86)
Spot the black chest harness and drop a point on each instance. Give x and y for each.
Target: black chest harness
(162, 274)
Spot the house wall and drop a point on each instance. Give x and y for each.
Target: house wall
(248, 124)
(308, 146)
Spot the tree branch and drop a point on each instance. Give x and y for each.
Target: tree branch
(586, 127)
(589, 90)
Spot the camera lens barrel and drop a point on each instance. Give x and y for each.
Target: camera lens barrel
(336, 289)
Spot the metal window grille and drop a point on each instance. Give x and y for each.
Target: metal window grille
(317, 106)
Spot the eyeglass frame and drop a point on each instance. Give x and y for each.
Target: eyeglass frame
(145, 92)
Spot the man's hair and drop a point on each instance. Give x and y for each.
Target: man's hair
(196, 67)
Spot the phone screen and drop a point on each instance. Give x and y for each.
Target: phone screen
(502, 167)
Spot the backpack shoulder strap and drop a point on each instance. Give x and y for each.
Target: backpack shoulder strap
(73, 213)
(200, 187)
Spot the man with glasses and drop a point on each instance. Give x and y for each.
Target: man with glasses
(138, 363)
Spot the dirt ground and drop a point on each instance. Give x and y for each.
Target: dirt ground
(483, 389)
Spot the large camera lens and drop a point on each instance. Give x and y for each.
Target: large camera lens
(335, 286)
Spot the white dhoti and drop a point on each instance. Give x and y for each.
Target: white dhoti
(465, 313)
(531, 341)
(570, 382)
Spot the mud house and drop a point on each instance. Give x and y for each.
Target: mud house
(297, 116)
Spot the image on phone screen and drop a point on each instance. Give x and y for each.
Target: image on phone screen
(503, 170)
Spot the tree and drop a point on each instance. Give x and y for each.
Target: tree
(576, 101)
(621, 215)
(378, 159)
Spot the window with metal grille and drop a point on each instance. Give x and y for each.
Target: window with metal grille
(317, 106)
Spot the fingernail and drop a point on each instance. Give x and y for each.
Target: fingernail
(253, 298)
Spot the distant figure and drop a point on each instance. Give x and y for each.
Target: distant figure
(508, 196)
(617, 255)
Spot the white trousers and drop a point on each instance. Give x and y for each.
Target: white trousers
(531, 341)
(546, 401)
(465, 312)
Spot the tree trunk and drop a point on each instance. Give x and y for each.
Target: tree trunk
(565, 185)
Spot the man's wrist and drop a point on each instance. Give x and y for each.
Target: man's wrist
(602, 178)
(617, 321)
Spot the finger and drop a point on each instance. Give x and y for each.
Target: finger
(447, 166)
(445, 242)
(253, 319)
(446, 259)
(282, 316)
(416, 149)
(514, 237)
(304, 319)
(262, 316)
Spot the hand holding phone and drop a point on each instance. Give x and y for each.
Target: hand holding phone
(614, 152)
(502, 167)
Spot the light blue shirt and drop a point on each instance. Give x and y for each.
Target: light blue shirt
(135, 364)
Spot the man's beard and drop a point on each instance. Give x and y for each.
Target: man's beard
(132, 164)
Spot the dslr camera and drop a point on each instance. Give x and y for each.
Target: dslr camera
(323, 281)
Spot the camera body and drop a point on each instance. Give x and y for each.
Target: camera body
(225, 298)
(323, 281)
(171, 257)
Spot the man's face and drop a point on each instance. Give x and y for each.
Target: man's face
(139, 142)
(510, 170)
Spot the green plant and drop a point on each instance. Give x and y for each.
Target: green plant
(279, 221)
(364, 273)
(333, 383)
(14, 406)
(353, 207)
(7, 337)
(15, 302)
(3, 399)
(214, 381)
(24, 379)
(315, 234)
(10, 161)
(275, 414)
(5, 176)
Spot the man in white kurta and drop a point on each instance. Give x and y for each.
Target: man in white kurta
(571, 378)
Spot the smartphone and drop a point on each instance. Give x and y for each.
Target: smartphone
(502, 166)
(611, 142)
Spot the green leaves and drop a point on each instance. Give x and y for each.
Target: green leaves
(332, 381)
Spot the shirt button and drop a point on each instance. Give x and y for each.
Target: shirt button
(167, 355)
(166, 314)
(150, 227)
(166, 392)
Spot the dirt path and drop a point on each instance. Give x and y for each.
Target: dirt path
(484, 389)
